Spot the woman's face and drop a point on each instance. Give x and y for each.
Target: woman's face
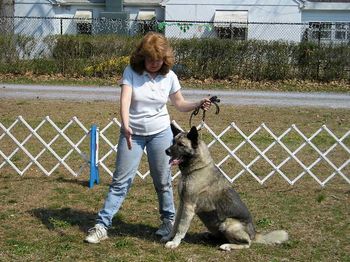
(153, 65)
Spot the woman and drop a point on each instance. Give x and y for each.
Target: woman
(146, 86)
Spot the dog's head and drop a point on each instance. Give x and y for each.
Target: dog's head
(184, 146)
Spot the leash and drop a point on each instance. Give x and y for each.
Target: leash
(214, 100)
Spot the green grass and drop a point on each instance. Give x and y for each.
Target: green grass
(264, 222)
(46, 218)
(31, 229)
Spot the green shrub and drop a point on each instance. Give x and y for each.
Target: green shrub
(72, 48)
(25, 46)
(111, 67)
(88, 46)
(222, 59)
(261, 60)
(8, 43)
(74, 54)
(44, 66)
(307, 58)
(104, 55)
(336, 63)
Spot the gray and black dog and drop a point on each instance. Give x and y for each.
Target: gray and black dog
(204, 191)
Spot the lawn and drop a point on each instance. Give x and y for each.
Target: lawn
(46, 218)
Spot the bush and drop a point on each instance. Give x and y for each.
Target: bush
(87, 46)
(107, 55)
(7, 43)
(261, 60)
(111, 67)
(16, 46)
(90, 55)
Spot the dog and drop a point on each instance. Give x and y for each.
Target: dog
(204, 191)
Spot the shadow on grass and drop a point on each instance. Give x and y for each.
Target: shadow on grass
(64, 217)
(60, 219)
(45, 179)
(73, 181)
(146, 232)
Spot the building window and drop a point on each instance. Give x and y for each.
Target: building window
(325, 32)
(231, 24)
(320, 31)
(84, 28)
(83, 19)
(235, 33)
(146, 21)
(147, 26)
(342, 31)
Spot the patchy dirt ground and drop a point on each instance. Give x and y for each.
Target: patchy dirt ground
(46, 218)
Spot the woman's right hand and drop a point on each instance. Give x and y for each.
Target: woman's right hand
(128, 134)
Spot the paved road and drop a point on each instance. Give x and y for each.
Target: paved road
(84, 93)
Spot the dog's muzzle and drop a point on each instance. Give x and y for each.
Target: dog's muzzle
(173, 161)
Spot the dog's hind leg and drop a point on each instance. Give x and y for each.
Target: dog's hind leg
(235, 233)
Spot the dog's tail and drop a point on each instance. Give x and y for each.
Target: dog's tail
(274, 237)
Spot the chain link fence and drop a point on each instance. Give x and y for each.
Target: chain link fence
(218, 50)
(31, 37)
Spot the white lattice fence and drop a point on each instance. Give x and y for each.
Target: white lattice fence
(261, 154)
(47, 146)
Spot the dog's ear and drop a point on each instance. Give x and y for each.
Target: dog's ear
(175, 129)
(193, 136)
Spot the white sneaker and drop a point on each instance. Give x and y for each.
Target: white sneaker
(165, 228)
(96, 234)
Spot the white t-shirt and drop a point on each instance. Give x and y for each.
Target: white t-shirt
(148, 113)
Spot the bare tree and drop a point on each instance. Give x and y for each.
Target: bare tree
(7, 11)
(7, 8)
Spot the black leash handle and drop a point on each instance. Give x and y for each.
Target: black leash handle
(214, 100)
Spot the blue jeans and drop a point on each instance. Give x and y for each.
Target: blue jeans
(126, 167)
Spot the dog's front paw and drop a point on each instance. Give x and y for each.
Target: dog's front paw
(165, 238)
(172, 244)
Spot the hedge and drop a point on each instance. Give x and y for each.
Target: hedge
(107, 55)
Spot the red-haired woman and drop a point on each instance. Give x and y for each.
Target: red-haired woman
(147, 84)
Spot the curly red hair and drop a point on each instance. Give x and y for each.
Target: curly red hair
(154, 46)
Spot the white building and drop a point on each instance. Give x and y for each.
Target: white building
(245, 18)
(328, 20)
(289, 20)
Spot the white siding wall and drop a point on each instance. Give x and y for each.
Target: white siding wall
(325, 16)
(273, 11)
(259, 10)
(42, 8)
(39, 8)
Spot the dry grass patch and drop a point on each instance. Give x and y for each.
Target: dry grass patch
(46, 218)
